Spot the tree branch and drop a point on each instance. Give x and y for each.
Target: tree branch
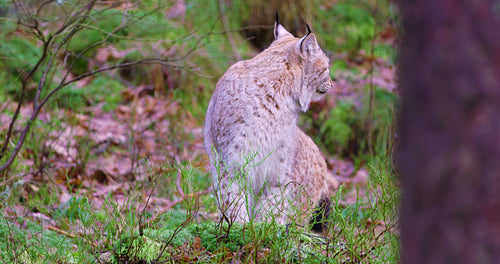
(24, 84)
(229, 34)
(75, 23)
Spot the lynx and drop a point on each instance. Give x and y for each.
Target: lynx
(263, 165)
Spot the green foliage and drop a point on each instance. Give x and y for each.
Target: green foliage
(338, 126)
(102, 24)
(77, 208)
(359, 232)
(384, 184)
(367, 226)
(385, 51)
(338, 65)
(33, 244)
(18, 55)
(344, 131)
(152, 24)
(239, 236)
(105, 90)
(352, 23)
(68, 98)
(382, 121)
(24, 52)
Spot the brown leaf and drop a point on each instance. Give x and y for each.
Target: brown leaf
(129, 94)
(100, 176)
(70, 174)
(123, 112)
(104, 129)
(197, 245)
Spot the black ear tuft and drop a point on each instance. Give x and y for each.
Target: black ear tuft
(276, 24)
(319, 221)
(304, 38)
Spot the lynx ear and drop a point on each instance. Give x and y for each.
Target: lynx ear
(279, 30)
(308, 44)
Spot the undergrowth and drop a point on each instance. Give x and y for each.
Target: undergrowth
(122, 231)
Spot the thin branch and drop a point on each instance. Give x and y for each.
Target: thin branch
(24, 84)
(42, 6)
(13, 121)
(77, 28)
(155, 183)
(77, 16)
(19, 142)
(46, 44)
(26, 15)
(91, 46)
(62, 232)
(178, 182)
(79, 55)
(369, 118)
(229, 34)
(195, 47)
(36, 107)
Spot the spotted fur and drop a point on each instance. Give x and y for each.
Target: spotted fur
(263, 165)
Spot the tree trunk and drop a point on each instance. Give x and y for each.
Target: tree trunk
(449, 154)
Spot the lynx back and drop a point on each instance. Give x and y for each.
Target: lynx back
(262, 164)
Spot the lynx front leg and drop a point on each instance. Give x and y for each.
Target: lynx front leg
(285, 204)
(233, 202)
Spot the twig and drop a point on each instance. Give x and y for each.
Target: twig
(81, 16)
(174, 203)
(229, 34)
(178, 182)
(36, 105)
(62, 232)
(207, 191)
(369, 118)
(23, 92)
(141, 226)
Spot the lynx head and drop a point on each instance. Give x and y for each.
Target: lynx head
(314, 65)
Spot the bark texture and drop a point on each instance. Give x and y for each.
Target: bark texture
(449, 154)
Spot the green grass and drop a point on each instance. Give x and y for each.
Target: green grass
(368, 225)
(361, 231)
